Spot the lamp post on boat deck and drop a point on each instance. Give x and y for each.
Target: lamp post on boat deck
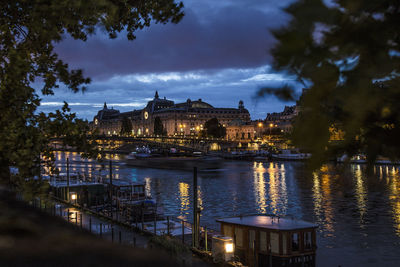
(67, 179)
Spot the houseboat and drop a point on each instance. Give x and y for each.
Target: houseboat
(265, 240)
(83, 193)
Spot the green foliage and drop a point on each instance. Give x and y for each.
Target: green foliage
(212, 128)
(28, 32)
(348, 55)
(126, 126)
(158, 126)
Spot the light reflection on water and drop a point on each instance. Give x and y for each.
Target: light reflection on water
(259, 186)
(184, 199)
(361, 194)
(358, 215)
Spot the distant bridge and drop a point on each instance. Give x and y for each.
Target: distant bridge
(180, 143)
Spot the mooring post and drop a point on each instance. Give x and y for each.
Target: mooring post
(112, 234)
(90, 224)
(68, 179)
(134, 241)
(101, 229)
(120, 237)
(183, 232)
(168, 225)
(67, 215)
(194, 227)
(80, 219)
(155, 226)
(205, 238)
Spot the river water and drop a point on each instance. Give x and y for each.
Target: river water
(358, 214)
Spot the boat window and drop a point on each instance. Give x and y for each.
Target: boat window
(284, 243)
(307, 240)
(295, 242)
(138, 189)
(239, 236)
(263, 241)
(228, 230)
(274, 242)
(252, 238)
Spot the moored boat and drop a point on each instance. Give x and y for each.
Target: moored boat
(287, 154)
(266, 240)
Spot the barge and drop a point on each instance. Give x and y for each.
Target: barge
(265, 240)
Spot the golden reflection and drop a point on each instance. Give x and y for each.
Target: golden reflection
(394, 198)
(361, 194)
(273, 188)
(283, 191)
(259, 186)
(323, 198)
(317, 196)
(184, 197)
(199, 197)
(147, 186)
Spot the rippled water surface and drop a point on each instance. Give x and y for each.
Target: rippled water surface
(358, 214)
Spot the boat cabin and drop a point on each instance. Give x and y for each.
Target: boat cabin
(89, 194)
(123, 191)
(263, 240)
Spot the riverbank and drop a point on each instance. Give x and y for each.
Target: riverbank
(31, 237)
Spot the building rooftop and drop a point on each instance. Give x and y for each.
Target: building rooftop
(268, 222)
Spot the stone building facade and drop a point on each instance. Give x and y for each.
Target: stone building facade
(282, 120)
(186, 119)
(238, 130)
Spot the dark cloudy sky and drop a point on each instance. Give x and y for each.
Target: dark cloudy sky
(219, 52)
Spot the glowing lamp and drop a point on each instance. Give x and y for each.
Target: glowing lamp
(229, 247)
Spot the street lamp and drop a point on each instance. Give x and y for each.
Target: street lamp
(73, 197)
(270, 127)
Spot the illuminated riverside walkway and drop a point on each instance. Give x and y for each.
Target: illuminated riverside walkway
(110, 229)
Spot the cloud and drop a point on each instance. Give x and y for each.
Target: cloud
(219, 52)
(222, 88)
(227, 34)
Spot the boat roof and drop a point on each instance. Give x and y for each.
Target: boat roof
(268, 222)
(124, 183)
(72, 184)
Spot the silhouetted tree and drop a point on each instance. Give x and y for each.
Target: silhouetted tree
(126, 126)
(29, 30)
(158, 126)
(347, 55)
(212, 128)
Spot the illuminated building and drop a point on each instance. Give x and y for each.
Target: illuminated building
(187, 118)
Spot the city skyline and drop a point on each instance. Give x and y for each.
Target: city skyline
(219, 52)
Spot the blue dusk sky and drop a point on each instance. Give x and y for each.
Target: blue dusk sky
(219, 52)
